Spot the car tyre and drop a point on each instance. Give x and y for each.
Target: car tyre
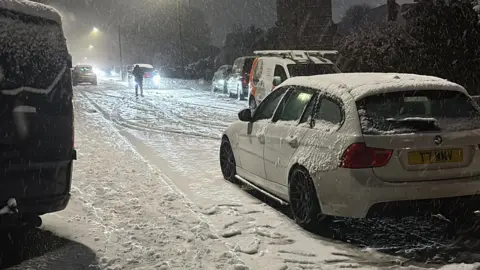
(214, 89)
(225, 89)
(75, 83)
(227, 161)
(304, 203)
(95, 82)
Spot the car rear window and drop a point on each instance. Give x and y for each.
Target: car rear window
(146, 69)
(85, 69)
(418, 111)
(33, 51)
(296, 70)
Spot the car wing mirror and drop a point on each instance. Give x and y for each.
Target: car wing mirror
(245, 115)
(277, 80)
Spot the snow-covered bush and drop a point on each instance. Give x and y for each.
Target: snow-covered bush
(437, 38)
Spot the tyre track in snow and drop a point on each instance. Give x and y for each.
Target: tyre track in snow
(169, 113)
(181, 128)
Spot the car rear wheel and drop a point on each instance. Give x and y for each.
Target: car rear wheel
(214, 89)
(227, 160)
(304, 201)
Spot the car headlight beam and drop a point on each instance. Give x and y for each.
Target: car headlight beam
(156, 80)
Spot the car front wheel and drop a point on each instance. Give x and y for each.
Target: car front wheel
(304, 201)
(227, 160)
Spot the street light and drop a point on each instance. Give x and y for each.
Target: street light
(95, 30)
(90, 47)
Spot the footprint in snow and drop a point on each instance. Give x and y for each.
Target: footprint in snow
(281, 242)
(250, 249)
(266, 233)
(212, 211)
(300, 253)
(231, 233)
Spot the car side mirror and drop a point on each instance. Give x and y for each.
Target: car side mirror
(245, 115)
(277, 80)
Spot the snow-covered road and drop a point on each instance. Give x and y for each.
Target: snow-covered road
(148, 194)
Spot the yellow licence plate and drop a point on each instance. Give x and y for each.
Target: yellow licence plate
(435, 156)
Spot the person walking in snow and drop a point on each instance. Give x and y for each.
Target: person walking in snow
(138, 76)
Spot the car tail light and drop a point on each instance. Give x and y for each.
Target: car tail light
(358, 156)
(245, 79)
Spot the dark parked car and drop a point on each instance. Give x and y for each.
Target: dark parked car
(84, 74)
(36, 115)
(237, 84)
(219, 81)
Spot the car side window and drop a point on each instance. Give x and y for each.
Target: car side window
(237, 66)
(329, 112)
(267, 107)
(280, 72)
(295, 105)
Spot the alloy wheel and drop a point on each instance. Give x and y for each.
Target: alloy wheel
(227, 160)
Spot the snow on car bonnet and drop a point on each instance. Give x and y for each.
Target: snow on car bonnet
(360, 85)
(32, 8)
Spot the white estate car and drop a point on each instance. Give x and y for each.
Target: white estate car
(355, 144)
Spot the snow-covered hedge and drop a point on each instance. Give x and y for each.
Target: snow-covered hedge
(438, 38)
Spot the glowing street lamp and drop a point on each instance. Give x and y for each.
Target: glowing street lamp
(95, 30)
(90, 47)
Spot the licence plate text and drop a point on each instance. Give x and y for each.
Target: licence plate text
(435, 156)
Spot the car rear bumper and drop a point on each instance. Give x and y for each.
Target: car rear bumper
(359, 194)
(43, 205)
(39, 188)
(85, 79)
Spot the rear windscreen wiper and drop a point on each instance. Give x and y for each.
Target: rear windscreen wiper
(415, 123)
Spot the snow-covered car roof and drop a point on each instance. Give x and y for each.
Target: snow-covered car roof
(144, 65)
(361, 85)
(32, 8)
(288, 61)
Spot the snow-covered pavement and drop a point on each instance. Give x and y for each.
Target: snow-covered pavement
(148, 194)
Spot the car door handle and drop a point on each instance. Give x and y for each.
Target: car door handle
(261, 138)
(292, 141)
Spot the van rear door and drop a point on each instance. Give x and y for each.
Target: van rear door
(36, 111)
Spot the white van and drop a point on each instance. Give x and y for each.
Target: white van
(271, 68)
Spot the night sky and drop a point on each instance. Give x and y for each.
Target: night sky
(80, 16)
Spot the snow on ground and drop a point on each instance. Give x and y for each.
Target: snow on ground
(148, 194)
(126, 210)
